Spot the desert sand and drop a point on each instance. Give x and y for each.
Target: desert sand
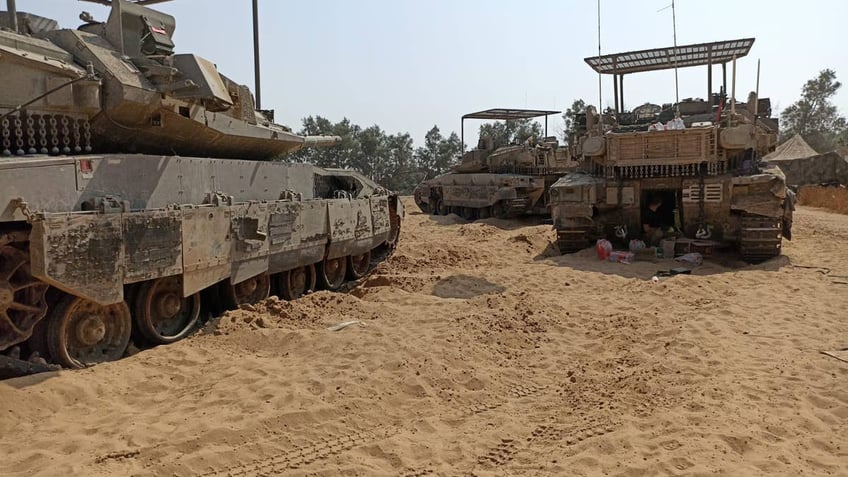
(479, 352)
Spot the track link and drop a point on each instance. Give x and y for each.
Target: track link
(760, 238)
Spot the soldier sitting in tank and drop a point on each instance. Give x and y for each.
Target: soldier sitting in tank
(657, 222)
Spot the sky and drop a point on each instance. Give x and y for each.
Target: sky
(407, 65)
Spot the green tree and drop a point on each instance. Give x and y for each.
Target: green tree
(391, 160)
(813, 116)
(401, 174)
(570, 118)
(511, 131)
(342, 155)
(438, 153)
(427, 156)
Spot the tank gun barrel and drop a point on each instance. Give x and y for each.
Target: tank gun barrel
(321, 141)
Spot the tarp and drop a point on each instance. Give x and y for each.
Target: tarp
(794, 148)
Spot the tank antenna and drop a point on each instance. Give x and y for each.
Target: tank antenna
(600, 89)
(676, 87)
(256, 55)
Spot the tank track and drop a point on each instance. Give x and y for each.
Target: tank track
(572, 239)
(760, 238)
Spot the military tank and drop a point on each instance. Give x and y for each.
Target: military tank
(691, 169)
(507, 181)
(138, 186)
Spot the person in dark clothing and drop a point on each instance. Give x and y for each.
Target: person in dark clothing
(654, 221)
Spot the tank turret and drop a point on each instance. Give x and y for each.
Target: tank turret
(119, 86)
(505, 181)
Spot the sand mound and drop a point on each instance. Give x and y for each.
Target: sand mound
(482, 353)
(312, 311)
(831, 198)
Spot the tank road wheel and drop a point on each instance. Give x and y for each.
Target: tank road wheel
(358, 265)
(81, 332)
(468, 213)
(572, 239)
(22, 302)
(331, 273)
(247, 292)
(440, 208)
(162, 314)
(760, 238)
(484, 213)
(499, 210)
(294, 283)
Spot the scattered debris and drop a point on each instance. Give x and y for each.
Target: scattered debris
(841, 354)
(345, 324)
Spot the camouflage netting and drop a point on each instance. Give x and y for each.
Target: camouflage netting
(804, 166)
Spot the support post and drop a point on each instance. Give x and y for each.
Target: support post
(256, 75)
(621, 90)
(615, 90)
(724, 77)
(12, 11)
(733, 91)
(710, 76)
(462, 135)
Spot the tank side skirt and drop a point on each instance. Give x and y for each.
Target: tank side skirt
(94, 255)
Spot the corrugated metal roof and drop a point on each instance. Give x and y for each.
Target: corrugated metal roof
(504, 113)
(666, 58)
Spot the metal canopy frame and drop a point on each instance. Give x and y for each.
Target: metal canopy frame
(699, 54)
(137, 2)
(495, 114)
(655, 59)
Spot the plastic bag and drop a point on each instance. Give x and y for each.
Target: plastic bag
(675, 124)
(621, 257)
(636, 244)
(604, 248)
(694, 258)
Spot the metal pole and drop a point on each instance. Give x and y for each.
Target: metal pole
(621, 90)
(676, 88)
(13, 14)
(256, 54)
(462, 135)
(600, 85)
(546, 126)
(733, 91)
(709, 97)
(615, 90)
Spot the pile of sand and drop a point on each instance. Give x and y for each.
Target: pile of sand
(481, 353)
(831, 198)
(313, 311)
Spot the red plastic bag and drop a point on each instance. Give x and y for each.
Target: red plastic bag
(604, 248)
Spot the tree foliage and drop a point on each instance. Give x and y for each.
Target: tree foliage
(813, 116)
(438, 153)
(511, 131)
(570, 119)
(391, 160)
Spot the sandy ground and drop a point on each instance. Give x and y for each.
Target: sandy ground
(481, 353)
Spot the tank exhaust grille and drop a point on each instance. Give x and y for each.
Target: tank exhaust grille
(712, 193)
